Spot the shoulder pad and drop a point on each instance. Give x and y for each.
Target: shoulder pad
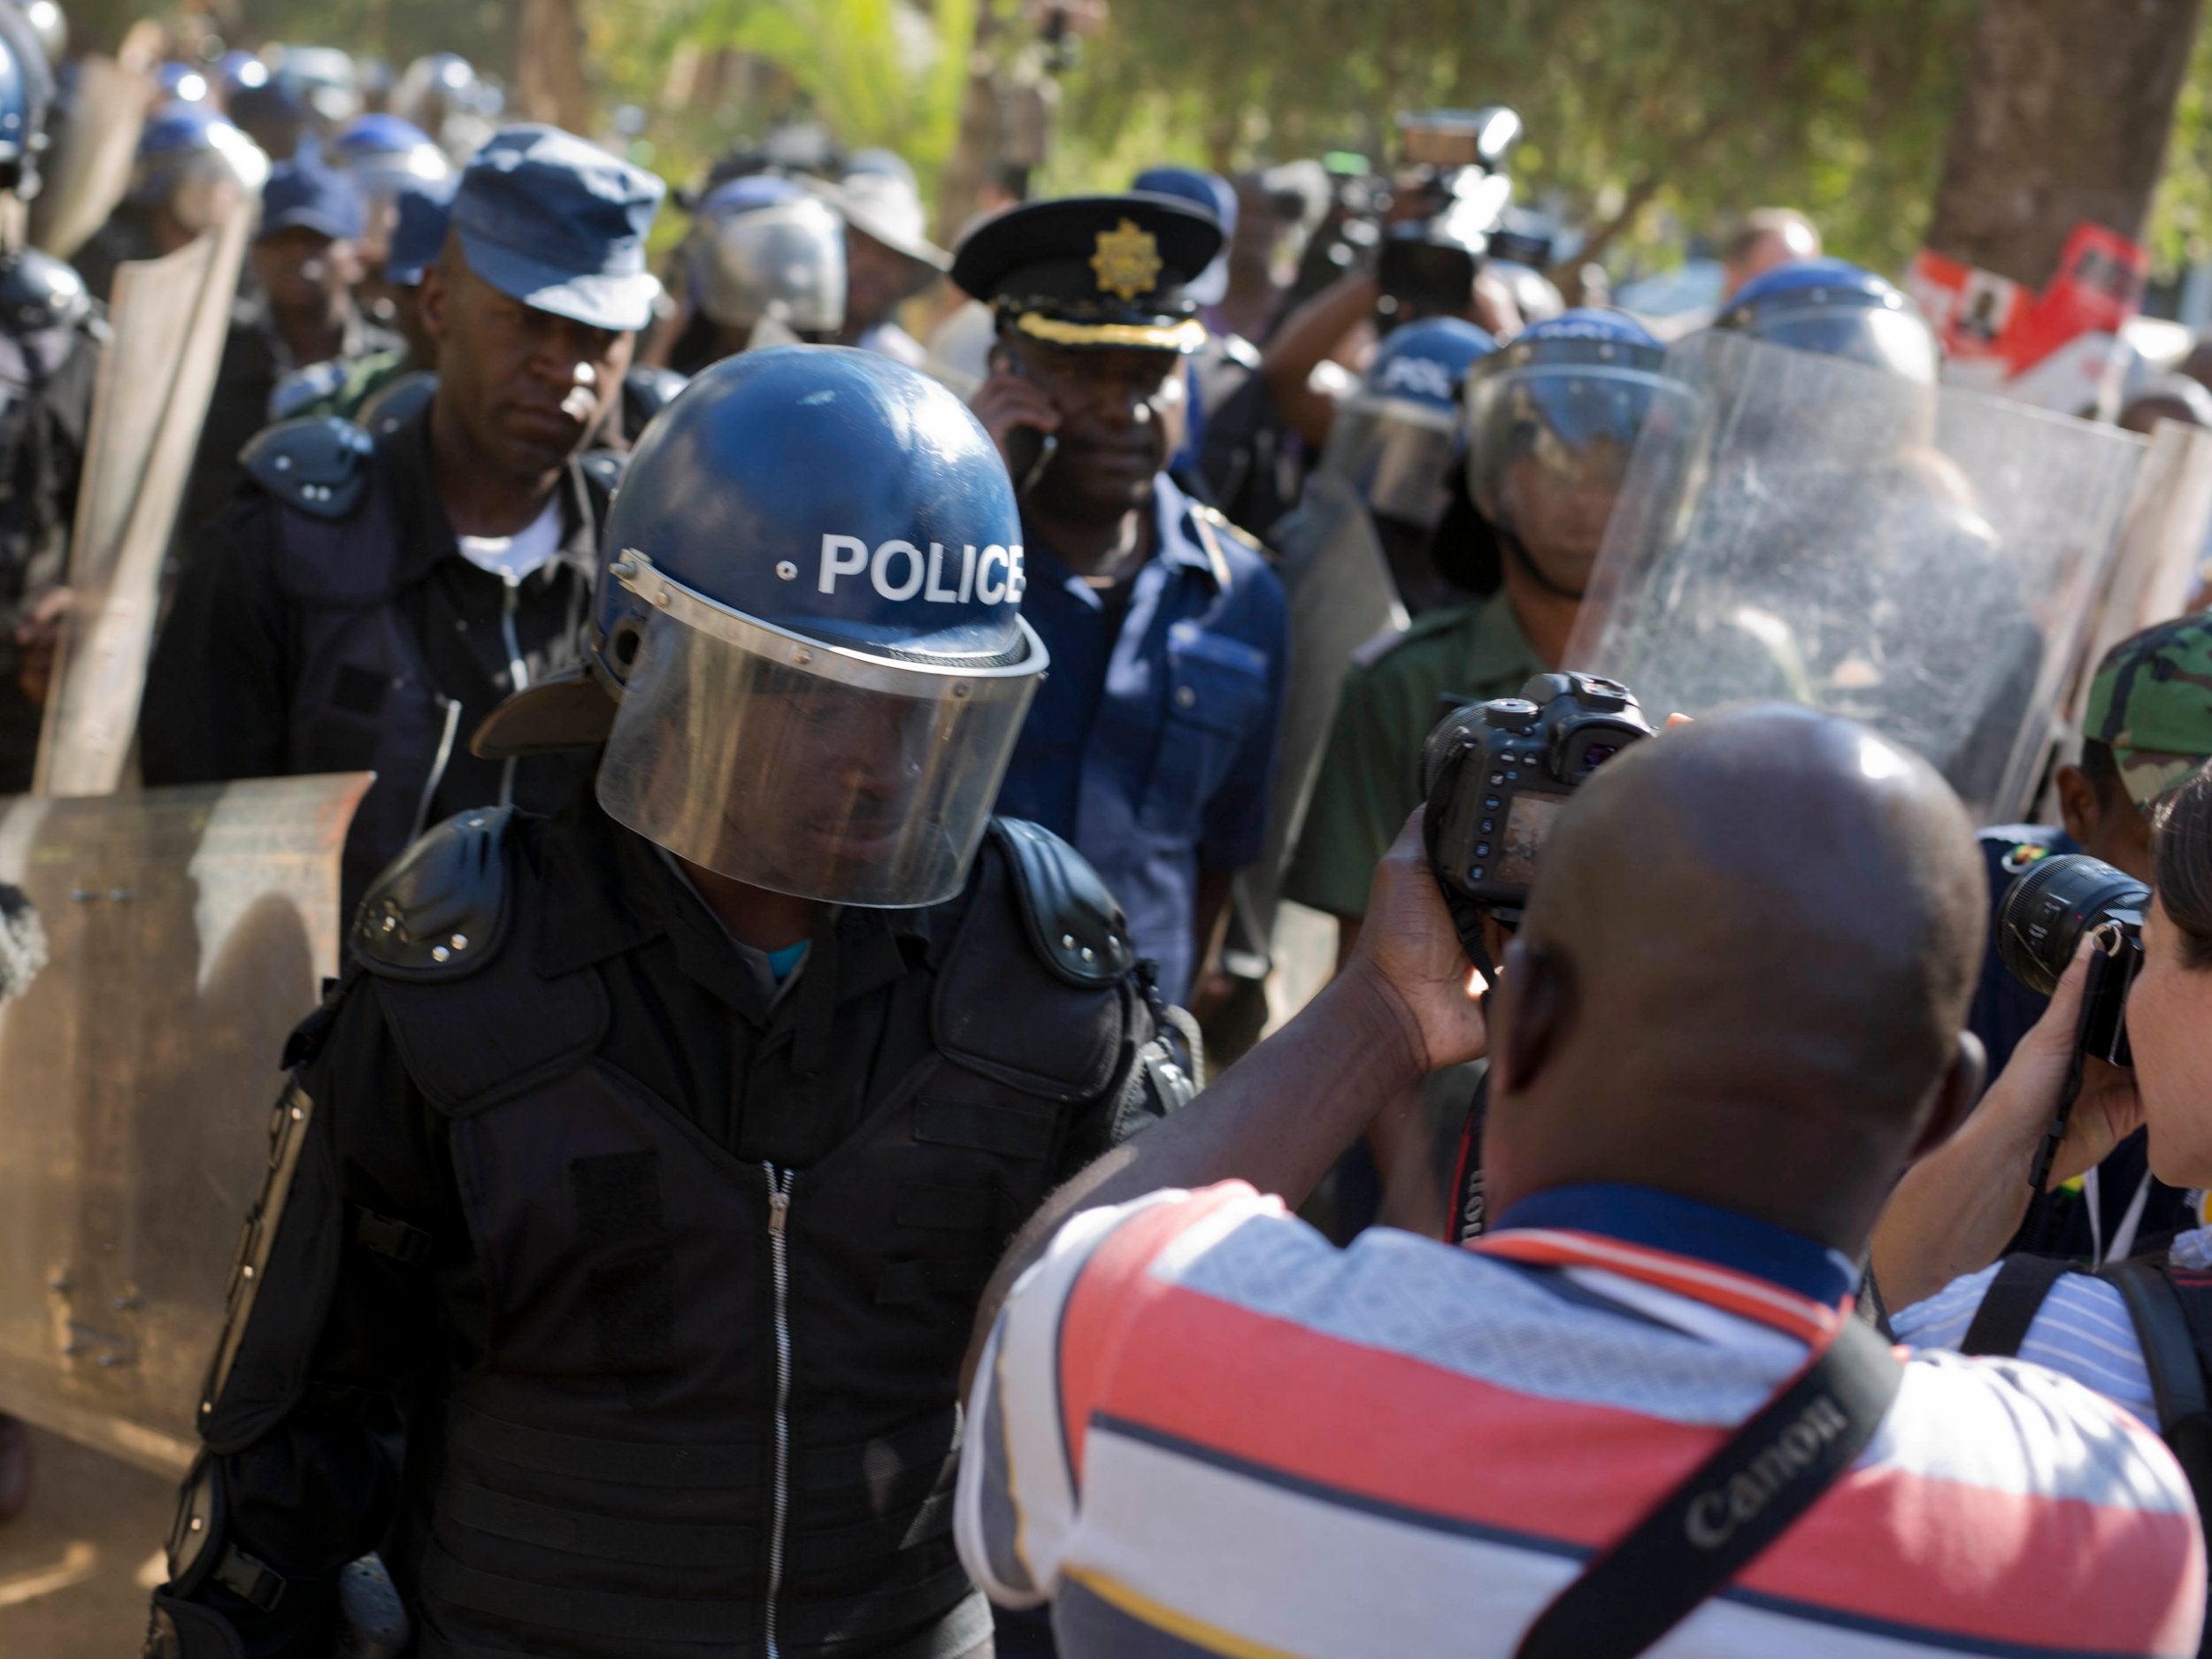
(1073, 924)
(650, 390)
(1221, 521)
(606, 467)
(440, 912)
(304, 386)
(319, 465)
(38, 291)
(392, 406)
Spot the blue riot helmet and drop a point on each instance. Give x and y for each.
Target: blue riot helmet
(1395, 438)
(386, 157)
(763, 250)
(1833, 307)
(196, 165)
(809, 616)
(50, 25)
(183, 83)
(1552, 417)
(26, 89)
(322, 79)
(237, 71)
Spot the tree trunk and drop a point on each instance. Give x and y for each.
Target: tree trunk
(549, 66)
(2065, 117)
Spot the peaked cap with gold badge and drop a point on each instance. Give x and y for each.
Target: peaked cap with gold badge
(1094, 270)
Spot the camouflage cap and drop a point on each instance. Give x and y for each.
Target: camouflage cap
(2151, 702)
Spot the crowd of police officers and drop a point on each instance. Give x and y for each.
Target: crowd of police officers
(810, 786)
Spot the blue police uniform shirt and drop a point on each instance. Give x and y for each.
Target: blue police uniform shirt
(1152, 749)
(2111, 1212)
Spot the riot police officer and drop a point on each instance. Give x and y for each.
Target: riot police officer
(190, 169)
(364, 603)
(764, 265)
(49, 349)
(1153, 747)
(632, 1193)
(1840, 310)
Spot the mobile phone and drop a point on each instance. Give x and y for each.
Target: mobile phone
(1028, 451)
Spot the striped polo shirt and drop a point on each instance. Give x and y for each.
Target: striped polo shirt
(1200, 1428)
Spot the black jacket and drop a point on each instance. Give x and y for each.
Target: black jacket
(620, 1299)
(343, 630)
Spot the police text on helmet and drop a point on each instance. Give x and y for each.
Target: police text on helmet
(900, 569)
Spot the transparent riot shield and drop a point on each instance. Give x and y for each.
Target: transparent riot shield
(187, 930)
(171, 317)
(1923, 559)
(90, 167)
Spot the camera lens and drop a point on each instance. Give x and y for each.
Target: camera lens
(2051, 907)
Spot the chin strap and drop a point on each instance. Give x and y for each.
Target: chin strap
(1526, 565)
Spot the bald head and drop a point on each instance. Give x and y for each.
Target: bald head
(1743, 971)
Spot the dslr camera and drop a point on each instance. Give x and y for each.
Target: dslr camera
(1494, 776)
(2041, 923)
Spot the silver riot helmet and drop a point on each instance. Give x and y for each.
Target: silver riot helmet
(197, 166)
(755, 260)
(1394, 440)
(810, 620)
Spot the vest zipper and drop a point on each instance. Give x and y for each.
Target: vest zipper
(779, 1271)
(518, 676)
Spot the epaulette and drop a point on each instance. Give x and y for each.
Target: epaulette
(394, 404)
(38, 292)
(439, 912)
(1073, 924)
(317, 463)
(1221, 520)
(304, 386)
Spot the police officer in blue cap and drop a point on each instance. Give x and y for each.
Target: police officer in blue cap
(1153, 744)
(363, 603)
(298, 312)
(632, 1193)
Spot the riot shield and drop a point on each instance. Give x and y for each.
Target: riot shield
(90, 167)
(1923, 559)
(187, 930)
(171, 318)
(1338, 581)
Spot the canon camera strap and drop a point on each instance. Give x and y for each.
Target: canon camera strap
(1741, 1499)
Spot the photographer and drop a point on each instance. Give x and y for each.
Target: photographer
(1730, 1019)
(1953, 1214)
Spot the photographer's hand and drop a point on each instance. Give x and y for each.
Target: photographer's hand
(1955, 1211)
(1406, 1003)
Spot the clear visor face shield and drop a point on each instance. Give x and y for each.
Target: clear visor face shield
(379, 178)
(1895, 340)
(805, 768)
(1397, 454)
(786, 262)
(1549, 447)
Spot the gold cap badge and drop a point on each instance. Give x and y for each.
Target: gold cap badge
(1127, 261)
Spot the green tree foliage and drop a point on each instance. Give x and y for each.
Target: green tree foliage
(1635, 111)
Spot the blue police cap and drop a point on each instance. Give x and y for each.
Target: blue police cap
(560, 224)
(419, 226)
(305, 192)
(1094, 270)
